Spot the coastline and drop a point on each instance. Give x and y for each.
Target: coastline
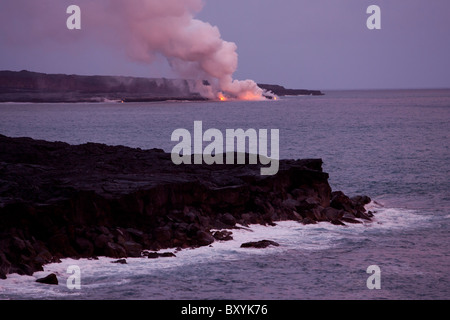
(83, 201)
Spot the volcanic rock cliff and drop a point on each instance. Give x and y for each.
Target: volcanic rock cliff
(282, 91)
(25, 86)
(59, 200)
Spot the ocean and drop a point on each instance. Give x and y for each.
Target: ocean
(392, 145)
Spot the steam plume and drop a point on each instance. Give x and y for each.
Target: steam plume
(145, 29)
(193, 48)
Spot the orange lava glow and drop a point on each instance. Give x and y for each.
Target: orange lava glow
(222, 97)
(243, 96)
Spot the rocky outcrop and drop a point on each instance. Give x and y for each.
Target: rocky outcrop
(25, 86)
(260, 244)
(282, 91)
(59, 200)
(156, 255)
(120, 261)
(50, 279)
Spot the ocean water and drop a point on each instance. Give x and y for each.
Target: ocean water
(390, 145)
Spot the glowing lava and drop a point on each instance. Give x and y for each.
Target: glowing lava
(244, 96)
(222, 97)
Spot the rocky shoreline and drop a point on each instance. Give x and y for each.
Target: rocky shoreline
(59, 200)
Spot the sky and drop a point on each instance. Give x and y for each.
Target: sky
(310, 44)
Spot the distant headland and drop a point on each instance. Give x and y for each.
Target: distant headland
(26, 86)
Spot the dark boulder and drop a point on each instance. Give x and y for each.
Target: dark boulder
(204, 238)
(341, 202)
(259, 244)
(132, 249)
(102, 241)
(120, 261)
(136, 235)
(332, 214)
(151, 255)
(360, 200)
(114, 250)
(156, 255)
(308, 220)
(228, 219)
(50, 279)
(349, 218)
(167, 255)
(223, 235)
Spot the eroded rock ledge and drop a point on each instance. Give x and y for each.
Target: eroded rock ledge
(59, 200)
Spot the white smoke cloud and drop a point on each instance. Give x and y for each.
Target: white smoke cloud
(194, 48)
(144, 29)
